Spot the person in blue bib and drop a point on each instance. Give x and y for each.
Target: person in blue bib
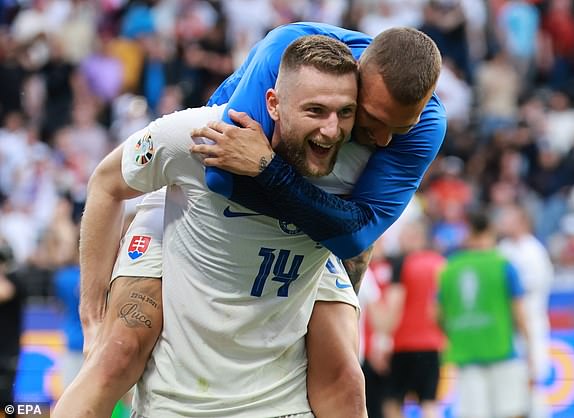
(399, 128)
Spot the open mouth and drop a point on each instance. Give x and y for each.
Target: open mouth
(319, 148)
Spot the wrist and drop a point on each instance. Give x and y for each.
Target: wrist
(265, 160)
(90, 316)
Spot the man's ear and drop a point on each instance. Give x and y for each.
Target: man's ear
(272, 103)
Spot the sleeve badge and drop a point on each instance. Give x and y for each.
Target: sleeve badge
(144, 150)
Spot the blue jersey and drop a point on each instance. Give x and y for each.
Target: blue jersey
(390, 178)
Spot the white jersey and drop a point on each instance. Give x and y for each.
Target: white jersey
(238, 290)
(536, 272)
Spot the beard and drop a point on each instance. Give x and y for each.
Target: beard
(295, 154)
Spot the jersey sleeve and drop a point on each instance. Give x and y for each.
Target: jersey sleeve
(382, 192)
(245, 89)
(159, 155)
(515, 287)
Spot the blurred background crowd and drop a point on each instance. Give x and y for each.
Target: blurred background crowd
(78, 76)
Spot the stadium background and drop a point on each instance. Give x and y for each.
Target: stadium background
(77, 76)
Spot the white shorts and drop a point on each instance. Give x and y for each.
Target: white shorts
(140, 256)
(491, 391)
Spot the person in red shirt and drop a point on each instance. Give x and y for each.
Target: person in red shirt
(375, 344)
(412, 321)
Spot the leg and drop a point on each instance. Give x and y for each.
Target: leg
(376, 386)
(124, 342)
(429, 409)
(393, 408)
(335, 382)
(427, 374)
(398, 385)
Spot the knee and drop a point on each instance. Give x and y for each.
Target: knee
(343, 386)
(117, 356)
(341, 397)
(351, 381)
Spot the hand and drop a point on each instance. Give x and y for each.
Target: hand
(7, 289)
(379, 356)
(241, 150)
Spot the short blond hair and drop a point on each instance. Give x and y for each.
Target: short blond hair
(325, 54)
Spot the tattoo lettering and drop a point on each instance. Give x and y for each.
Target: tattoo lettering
(133, 317)
(144, 298)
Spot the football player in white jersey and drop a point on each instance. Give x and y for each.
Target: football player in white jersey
(238, 286)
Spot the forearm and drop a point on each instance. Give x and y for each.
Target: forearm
(99, 239)
(520, 320)
(357, 266)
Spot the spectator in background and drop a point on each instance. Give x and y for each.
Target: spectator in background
(67, 290)
(410, 319)
(57, 75)
(498, 86)
(375, 347)
(12, 75)
(448, 197)
(533, 263)
(562, 249)
(558, 28)
(104, 72)
(445, 22)
(457, 97)
(481, 307)
(11, 305)
(517, 26)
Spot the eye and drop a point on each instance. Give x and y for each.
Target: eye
(347, 112)
(315, 110)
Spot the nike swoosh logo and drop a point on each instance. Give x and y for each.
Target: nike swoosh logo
(341, 285)
(228, 213)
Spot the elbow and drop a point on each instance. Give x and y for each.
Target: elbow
(349, 246)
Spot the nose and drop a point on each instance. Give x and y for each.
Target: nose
(330, 128)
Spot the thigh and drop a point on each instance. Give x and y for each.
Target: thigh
(333, 328)
(426, 374)
(376, 390)
(508, 381)
(134, 312)
(400, 376)
(472, 392)
(334, 323)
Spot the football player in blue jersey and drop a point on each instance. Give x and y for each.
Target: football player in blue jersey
(399, 117)
(402, 122)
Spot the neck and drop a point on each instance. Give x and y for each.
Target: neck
(481, 242)
(276, 138)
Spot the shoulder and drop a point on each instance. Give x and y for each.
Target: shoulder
(184, 120)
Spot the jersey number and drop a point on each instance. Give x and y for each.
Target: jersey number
(278, 264)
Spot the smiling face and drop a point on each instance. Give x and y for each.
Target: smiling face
(379, 115)
(314, 113)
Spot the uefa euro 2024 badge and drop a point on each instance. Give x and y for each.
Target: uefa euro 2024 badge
(144, 149)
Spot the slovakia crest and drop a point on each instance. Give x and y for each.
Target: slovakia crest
(144, 150)
(138, 246)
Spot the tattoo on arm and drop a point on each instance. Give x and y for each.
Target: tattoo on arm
(264, 162)
(357, 266)
(133, 313)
